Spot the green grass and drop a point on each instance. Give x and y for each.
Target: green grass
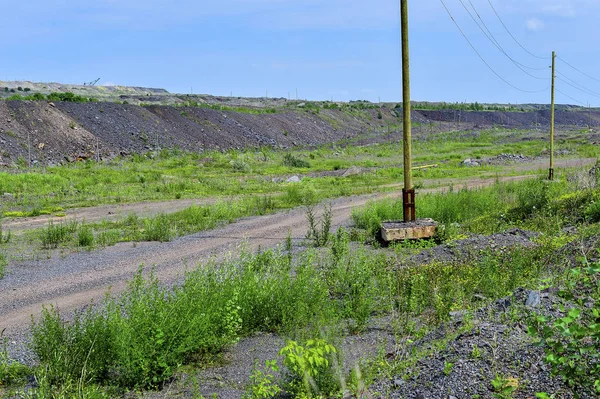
(490, 209)
(3, 264)
(140, 338)
(173, 174)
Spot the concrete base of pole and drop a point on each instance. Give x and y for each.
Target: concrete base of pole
(415, 230)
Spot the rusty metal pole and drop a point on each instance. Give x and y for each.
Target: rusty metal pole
(551, 170)
(408, 192)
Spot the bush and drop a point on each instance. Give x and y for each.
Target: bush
(572, 342)
(158, 229)
(85, 236)
(311, 367)
(293, 162)
(53, 235)
(592, 212)
(319, 234)
(240, 166)
(140, 338)
(4, 237)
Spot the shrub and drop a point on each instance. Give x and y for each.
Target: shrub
(240, 166)
(4, 237)
(293, 162)
(310, 367)
(263, 382)
(592, 212)
(85, 236)
(139, 339)
(158, 229)
(53, 235)
(319, 234)
(572, 342)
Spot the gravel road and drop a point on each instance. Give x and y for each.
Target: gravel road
(73, 281)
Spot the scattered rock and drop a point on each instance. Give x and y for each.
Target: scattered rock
(353, 170)
(470, 162)
(398, 382)
(294, 179)
(8, 196)
(503, 304)
(505, 159)
(533, 300)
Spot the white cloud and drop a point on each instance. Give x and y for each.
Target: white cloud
(534, 24)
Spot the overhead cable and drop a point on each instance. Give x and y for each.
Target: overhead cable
(482, 59)
(513, 37)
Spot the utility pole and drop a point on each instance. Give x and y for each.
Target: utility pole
(590, 117)
(551, 170)
(408, 192)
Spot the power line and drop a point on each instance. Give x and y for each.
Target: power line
(511, 35)
(578, 70)
(574, 99)
(577, 86)
(483, 60)
(495, 42)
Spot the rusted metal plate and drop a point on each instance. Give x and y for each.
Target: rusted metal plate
(418, 229)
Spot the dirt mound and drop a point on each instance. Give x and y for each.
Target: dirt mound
(49, 133)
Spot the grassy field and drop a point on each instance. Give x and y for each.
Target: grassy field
(313, 297)
(238, 184)
(138, 340)
(174, 175)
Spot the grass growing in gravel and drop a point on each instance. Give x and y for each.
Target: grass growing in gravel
(139, 339)
(491, 209)
(171, 174)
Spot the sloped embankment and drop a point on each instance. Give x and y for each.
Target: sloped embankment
(52, 133)
(49, 133)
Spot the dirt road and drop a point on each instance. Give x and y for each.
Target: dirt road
(73, 281)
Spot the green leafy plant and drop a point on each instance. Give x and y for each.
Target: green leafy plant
(476, 352)
(158, 229)
(240, 166)
(448, 366)
(85, 236)
(309, 364)
(11, 371)
(319, 230)
(572, 342)
(263, 382)
(504, 387)
(54, 234)
(293, 162)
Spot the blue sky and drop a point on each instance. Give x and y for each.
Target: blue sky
(345, 50)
